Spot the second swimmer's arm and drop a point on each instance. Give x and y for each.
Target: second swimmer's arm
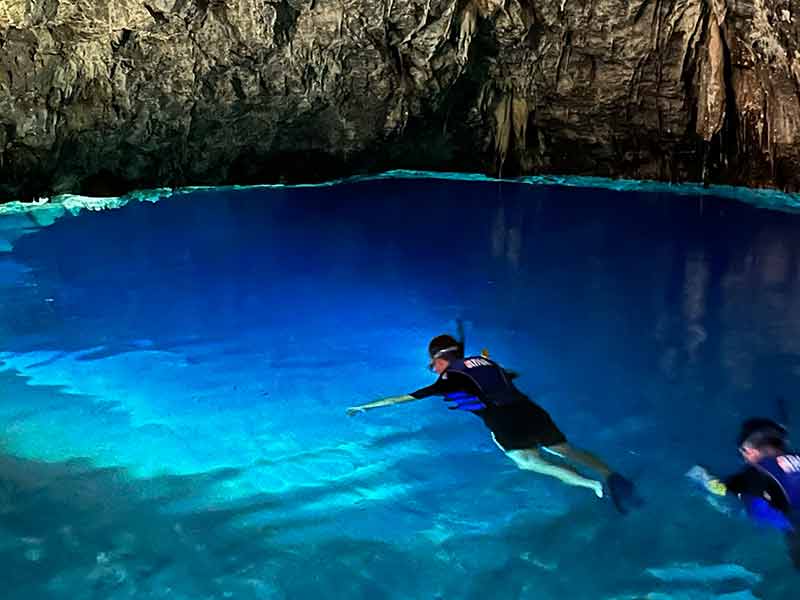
(382, 402)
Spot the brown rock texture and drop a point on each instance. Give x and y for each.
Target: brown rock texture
(103, 96)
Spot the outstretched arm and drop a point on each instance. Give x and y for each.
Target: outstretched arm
(382, 402)
(425, 392)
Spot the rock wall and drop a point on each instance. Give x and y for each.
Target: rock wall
(101, 96)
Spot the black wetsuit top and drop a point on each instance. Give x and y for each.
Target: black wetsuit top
(520, 424)
(752, 482)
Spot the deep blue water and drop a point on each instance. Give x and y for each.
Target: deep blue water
(175, 377)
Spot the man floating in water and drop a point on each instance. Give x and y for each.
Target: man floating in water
(769, 486)
(521, 428)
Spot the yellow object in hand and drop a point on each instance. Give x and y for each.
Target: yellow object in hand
(715, 486)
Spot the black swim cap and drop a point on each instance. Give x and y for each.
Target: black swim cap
(761, 432)
(445, 346)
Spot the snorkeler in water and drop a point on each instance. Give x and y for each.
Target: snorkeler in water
(520, 428)
(769, 486)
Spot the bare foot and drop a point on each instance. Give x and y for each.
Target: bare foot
(598, 489)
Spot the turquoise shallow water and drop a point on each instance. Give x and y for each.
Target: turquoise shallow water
(175, 376)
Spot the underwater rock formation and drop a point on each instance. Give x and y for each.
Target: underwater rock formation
(102, 96)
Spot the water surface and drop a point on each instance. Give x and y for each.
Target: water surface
(175, 377)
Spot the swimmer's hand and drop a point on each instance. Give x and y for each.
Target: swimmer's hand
(704, 478)
(354, 410)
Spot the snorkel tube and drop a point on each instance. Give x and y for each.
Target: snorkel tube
(462, 342)
(783, 413)
(460, 333)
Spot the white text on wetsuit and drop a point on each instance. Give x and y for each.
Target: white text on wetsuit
(471, 363)
(789, 463)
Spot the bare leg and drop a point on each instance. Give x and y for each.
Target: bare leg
(531, 460)
(581, 458)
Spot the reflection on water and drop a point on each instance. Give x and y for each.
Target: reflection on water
(731, 273)
(179, 428)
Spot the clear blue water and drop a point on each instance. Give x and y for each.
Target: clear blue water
(175, 375)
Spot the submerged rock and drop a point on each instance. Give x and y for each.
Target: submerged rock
(695, 573)
(105, 96)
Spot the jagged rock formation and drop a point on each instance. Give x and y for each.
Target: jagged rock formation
(100, 96)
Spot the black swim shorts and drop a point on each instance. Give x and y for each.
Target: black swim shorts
(522, 425)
